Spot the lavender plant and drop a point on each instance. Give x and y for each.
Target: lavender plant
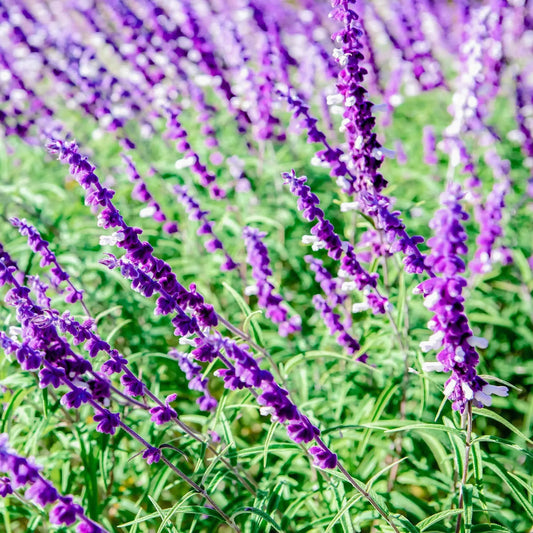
(181, 350)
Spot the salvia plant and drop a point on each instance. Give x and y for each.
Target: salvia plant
(266, 266)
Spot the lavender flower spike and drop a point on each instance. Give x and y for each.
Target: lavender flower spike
(273, 303)
(443, 295)
(42, 247)
(23, 472)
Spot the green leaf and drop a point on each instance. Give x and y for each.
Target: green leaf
(12, 406)
(423, 525)
(260, 513)
(494, 416)
(346, 507)
(517, 493)
(468, 508)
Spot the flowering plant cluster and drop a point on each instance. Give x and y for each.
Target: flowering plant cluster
(227, 304)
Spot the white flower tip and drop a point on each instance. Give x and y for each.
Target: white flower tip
(482, 398)
(450, 387)
(498, 390)
(360, 307)
(478, 342)
(251, 290)
(433, 366)
(349, 206)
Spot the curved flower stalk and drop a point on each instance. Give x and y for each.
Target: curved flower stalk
(139, 259)
(524, 119)
(244, 371)
(489, 217)
(258, 259)
(206, 227)
(430, 146)
(334, 297)
(191, 159)
(57, 274)
(365, 152)
(127, 237)
(324, 236)
(42, 346)
(23, 472)
(140, 192)
(443, 295)
(350, 177)
(98, 384)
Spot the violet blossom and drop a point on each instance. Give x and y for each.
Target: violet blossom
(206, 226)
(257, 257)
(443, 296)
(22, 472)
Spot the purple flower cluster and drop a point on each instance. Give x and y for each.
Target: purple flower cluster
(323, 236)
(258, 259)
(443, 296)
(330, 286)
(42, 247)
(333, 322)
(429, 143)
(192, 372)
(489, 216)
(140, 192)
(191, 159)
(365, 151)
(139, 265)
(23, 472)
(206, 227)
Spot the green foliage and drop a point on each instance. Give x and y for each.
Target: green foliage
(388, 427)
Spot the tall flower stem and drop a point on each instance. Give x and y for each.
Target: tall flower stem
(367, 497)
(201, 491)
(466, 462)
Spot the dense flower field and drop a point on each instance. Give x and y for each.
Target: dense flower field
(266, 266)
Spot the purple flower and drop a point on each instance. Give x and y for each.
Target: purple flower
(115, 364)
(323, 457)
(107, 421)
(132, 386)
(443, 295)
(75, 398)
(184, 324)
(23, 472)
(152, 455)
(257, 257)
(207, 402)
(66, 512)
(94, 345)
(429, 143)
(42, 493)
(5, 487)
(51, 376)
(89, 527)
(302, 430)
(28, 358)
(162, 414)
(489, 216)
